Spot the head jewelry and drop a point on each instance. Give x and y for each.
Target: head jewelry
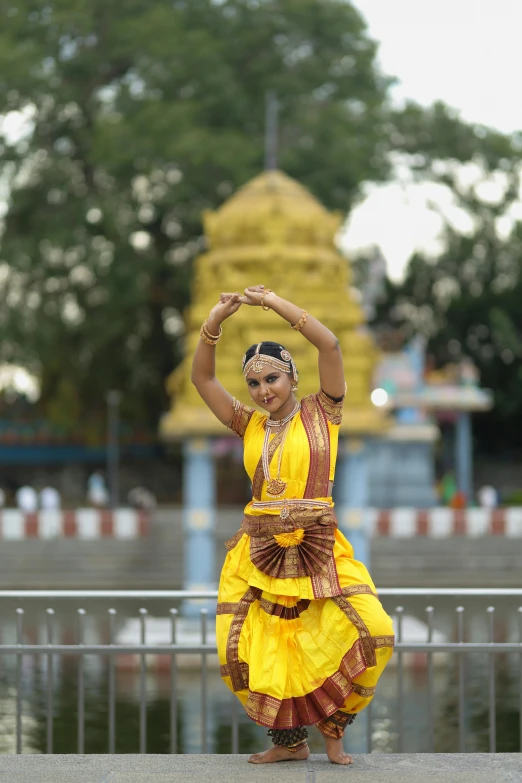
(257, 361)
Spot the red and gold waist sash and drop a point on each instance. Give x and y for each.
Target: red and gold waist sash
(297, 542)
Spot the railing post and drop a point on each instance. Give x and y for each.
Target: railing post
(81, 683)
(520, 679)
(461, 679)
(492, 688)
(400, 681)
(173, 686)
(143, 684)
(112, 685)
(50, 681)
(19, 641)
(431, 689)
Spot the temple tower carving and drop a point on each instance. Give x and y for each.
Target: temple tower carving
(273, 231)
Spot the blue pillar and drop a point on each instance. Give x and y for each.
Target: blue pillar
(351, 495)
(464, 455)
(199, 495)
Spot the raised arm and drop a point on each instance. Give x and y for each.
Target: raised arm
(331, 373)
(204, 362)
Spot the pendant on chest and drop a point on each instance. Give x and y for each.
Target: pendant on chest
(275, 487)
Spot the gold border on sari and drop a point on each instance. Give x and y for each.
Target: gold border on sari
(314, 706)
(383, 641)
(284, 612)
(326, 584)
(316, 428)
(225, 607)
(234, 634)
(240, 417)
(332, 409)
(224, 670)
(363, 690)
(335, 725)
(354, 617)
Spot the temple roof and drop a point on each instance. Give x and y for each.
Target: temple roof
(272, 206)
(274, 231)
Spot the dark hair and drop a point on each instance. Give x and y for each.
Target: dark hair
(269, 349)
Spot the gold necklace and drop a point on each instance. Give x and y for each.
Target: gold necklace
(276, 486)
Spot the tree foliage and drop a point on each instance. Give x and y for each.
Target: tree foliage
(137, 117)
(466, 302)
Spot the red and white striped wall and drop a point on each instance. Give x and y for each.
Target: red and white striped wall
(439, 522)
(92, 524)
(82, 523)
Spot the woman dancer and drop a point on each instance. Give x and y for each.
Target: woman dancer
(302, 637)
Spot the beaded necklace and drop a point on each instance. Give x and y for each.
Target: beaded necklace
(275, 486)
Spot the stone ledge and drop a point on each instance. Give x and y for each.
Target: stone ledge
(375, 768)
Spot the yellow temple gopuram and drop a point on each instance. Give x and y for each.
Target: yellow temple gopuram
(273, 231)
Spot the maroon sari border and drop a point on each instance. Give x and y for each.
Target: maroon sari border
(313, 707)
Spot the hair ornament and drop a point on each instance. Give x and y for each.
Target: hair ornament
(258, 360)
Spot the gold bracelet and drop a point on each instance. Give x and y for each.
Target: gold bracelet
(205, 339)
(211, 336)
(209, 339)
(266, 291)
(301, 322)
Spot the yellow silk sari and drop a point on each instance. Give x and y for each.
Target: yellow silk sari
(301, 633)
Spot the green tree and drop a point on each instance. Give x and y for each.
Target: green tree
(138, 117)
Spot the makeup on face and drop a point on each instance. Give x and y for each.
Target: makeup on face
(262, 386)
(269, 390)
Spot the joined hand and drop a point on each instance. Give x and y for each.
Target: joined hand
(253, 295)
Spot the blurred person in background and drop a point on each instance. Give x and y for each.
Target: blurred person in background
(487, 496)
(27, 499)
(50, 499)
(448, 488)
(97, 492)
(302, 636)
(142, 498)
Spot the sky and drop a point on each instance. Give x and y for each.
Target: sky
(464, 52)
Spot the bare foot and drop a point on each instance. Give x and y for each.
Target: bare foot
(335, 751)
(280, 753)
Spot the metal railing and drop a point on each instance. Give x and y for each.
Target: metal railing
(112, 649)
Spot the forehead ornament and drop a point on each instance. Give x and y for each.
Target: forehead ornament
(258, 360)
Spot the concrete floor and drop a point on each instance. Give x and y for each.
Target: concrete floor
(376, 768)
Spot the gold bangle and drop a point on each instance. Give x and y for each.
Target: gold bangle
(205, 339)
(266, 291)
(301, 322)
(211, 336)
(209, 339)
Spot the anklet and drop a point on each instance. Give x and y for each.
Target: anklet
(295, 748)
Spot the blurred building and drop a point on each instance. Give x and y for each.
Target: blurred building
(432, 434)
